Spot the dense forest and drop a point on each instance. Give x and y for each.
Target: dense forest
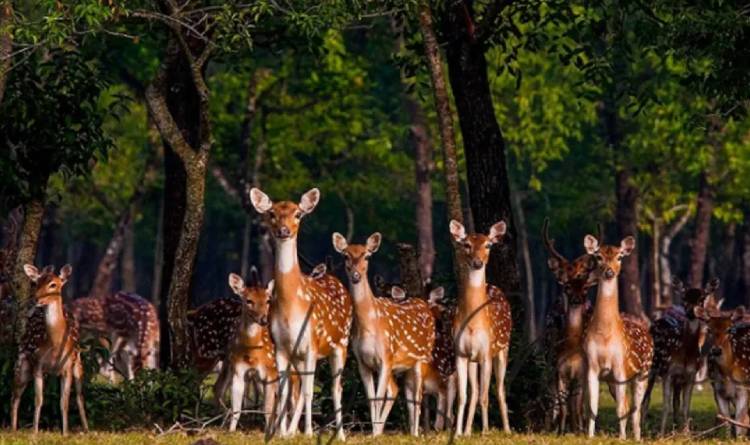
(132, 132)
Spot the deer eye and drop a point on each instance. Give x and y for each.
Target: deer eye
(467, 246)
(298, 215)
(53, 285)
(488, 245)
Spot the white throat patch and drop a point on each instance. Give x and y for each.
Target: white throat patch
(476, 277)
(286, 254)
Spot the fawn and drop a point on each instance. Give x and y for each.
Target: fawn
(481, 329)
(49, 346)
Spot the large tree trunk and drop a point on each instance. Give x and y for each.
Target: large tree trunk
(523, 240)
(158, 260)
(701, 236)
(664, 266)
(127, 262)
(6, 43)
(33, 213)
(627, 225)
(746, 264)
(484, 146)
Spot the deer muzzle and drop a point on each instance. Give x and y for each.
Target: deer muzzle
(477, 264)
(283, 232)
(609, 273)
(356, 277)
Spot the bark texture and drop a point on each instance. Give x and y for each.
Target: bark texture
(6, 42)
(702, 233)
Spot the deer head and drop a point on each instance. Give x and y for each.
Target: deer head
(283, 218)
(477, 246)
(47, 285)
(356, 256)
(256, 299)
(608, 258)
(719, 324)
(696, 297)
(562, 269)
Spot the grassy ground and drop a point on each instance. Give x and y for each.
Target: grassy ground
(703, 414)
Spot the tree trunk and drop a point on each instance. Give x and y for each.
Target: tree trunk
(664, 266)
(484, 146)
(103, 280)
(627, 225)
(6, 43)
(158, 261)
(746, 264)
(33, 213)
(657, 305)
(127, 263)
(701, 236)
(523, 240)
(409, 269)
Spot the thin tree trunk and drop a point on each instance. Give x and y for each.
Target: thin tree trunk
(746, 264)
(701, 236)
(484, 146)
(6, 42)
(158, 258)
(127, 263)
(246, 243)
(409, 269)
(657, 304)
(726, 259)
(523, 240)
(103, 280)
(664, 266)
(33, 213)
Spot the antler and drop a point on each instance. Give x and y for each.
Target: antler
(550, 244)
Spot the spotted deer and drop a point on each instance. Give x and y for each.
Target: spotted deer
(310, 319)
(618, 347)
(391, 335)
(481, 329)
(49, 346)
(678, 340)
(564, 333)
(128, 323)
(729, 360)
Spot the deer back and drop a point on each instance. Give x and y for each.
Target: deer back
(444, 351)
(331, 318)
(212, 327)
(501, 322)
(638, 343)
(409, 327)
(89, 312)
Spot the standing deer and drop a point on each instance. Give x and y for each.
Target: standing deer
(310, 318)
(678, 339)
(481, 329)
(390, 337)
(618, 346)
(564, 333)
(49, 346)
(128, 323)
(729, 360)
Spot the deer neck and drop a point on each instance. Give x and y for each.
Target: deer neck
(287, 274)
(364, 305)
(249, 328)
(474, 292)
(55, 320)
(606, 309)
(574, 323)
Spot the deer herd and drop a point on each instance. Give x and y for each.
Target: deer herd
(273, 335)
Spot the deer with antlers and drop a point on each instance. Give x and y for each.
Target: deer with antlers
(729, 360)
(128, 323)
(49, 346)
(565, 327)
(390, 336)
(678, 339)
(618, 347)
(310, 319)
(481, 329)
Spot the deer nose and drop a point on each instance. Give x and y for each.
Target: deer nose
(284, 232)
(263, 320)
(356, 277)
(609, 273)
(476, 263)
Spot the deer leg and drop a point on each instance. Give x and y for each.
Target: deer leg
(222, 382)
(299, 404)
(559, 408)
(285, 383)
(66, 381)
(473, 382)
(592, 389)
(639, 391)
(485, 368)
(309, 387)
(21, 377)
(238, 394)
(384, 376)
(337, 363)
(369, 382)
(417, 404)
(501, 366)
(269, 401)
(462, 369)
(440, 410)
(78, 380)
(449, 399)
(38, 398)
(687, 396)
(620, 388)
(390, 399)
(740, 405)
(666, 403)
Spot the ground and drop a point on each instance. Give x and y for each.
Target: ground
(703, 414)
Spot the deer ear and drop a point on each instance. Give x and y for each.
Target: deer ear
(379, 282)
(553, 264)
(700, 312)
(591, 244)
(48, 269)
(339, 242)
(269, 288)
(437, 294)
(627, 245)
(497, 231)
(260, 200)
(712, 286)
(719, 303)
(373, 242)
(738, 313)
(319, 271)
(236, 283)
(32, 272)
(65, 272)
(457, 230)
(309, 200)
(397, 293)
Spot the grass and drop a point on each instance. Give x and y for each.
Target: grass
(703, 413)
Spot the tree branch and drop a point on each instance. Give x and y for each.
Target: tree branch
(488, 20)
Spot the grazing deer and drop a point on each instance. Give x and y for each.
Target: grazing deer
(618, 346)
(211, 327)
(390, 336)
(49, 346)
(251, 350)
(565, 327)
(128, 322)
(729, 360)
(481, 329)
(310, 319)
(678, 339)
